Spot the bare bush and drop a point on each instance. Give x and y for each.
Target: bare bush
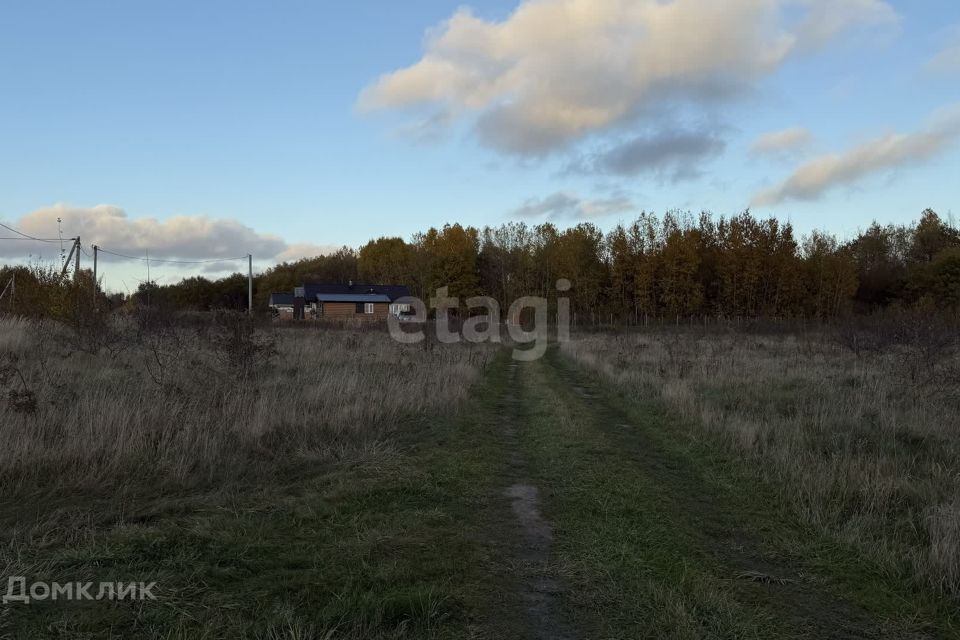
(20, 397)
(240, 345)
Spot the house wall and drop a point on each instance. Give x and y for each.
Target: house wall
(348, 311)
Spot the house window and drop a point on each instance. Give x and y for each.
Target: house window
(368, 308)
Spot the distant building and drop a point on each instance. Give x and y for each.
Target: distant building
(351, 301)
(281, 304)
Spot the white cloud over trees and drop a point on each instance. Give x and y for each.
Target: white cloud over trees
(889, 152)
(556, 72)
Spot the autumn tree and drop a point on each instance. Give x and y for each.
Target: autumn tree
(450, 257)
(505, 262)
(680, 288)
(386, 261)
(622, 264)
(578, 258)
(930, 237)
(831, 276)
(881, 267)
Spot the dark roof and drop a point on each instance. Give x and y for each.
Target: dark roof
(281, 299)
(392, 291)
(352, 297)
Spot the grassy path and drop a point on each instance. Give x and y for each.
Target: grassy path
(532, 603)
(551, 508)
(660, 537)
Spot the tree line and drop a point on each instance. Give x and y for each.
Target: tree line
(674, 264)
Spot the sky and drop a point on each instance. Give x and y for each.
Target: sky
(198, 130)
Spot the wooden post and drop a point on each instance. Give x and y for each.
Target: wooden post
(250, 284)
(66, 263)
(95, 249)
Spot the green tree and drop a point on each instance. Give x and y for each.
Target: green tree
(451, 259)
(386, 261)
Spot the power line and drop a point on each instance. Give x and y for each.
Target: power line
(144, 259)
(25, 236)
(33, 239)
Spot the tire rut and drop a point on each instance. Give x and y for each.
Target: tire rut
(526, 540)
(787, 591)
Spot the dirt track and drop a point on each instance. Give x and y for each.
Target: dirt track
(565, 435)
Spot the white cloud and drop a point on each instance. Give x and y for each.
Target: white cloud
(557, 71)
(300, 250)
(779, 142)
(889, 152)
(180, 237)
(565, 205)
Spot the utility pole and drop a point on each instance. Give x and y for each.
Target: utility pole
(74, 249)
(149, 284)
(95, 249)
(250, 284)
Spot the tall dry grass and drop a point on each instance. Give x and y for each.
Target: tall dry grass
(863, 443)
(185, 404)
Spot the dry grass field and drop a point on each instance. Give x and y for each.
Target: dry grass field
(153, 400)
(313, 482)
(859, 428)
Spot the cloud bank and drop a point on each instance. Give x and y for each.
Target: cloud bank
(558, 71)
(179, 237)
(569, 206)
(893, 151)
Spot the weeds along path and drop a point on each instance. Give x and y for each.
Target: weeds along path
(653, 540)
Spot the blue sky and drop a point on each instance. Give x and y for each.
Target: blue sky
(266, 123)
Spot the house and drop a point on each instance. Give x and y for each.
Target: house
(349, 301)
(281, 305)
